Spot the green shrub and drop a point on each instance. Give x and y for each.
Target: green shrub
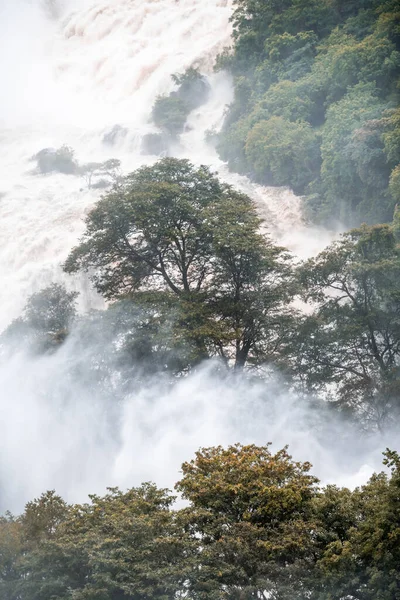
(60, 160)
(170, 112)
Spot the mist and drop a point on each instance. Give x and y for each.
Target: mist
(74, 421)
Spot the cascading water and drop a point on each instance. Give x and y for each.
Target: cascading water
(79, 75)
(73, 71)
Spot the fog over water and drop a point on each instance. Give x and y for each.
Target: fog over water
(71, 71)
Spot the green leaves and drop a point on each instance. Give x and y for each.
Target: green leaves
(353, 337)
(317, 78)
(176, 229)
(170, 112)
(256, 523)
(283, 153)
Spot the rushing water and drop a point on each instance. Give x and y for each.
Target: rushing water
(71, 71)
(69, 80)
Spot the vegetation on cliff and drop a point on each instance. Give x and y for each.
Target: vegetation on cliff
(316, 103)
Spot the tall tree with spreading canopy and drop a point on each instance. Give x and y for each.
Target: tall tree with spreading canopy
(252, 513)
(175, 230)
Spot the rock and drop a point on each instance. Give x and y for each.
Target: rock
(155, 144)
(112, 136)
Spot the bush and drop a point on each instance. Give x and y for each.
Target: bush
(170, 112)
(61, 161)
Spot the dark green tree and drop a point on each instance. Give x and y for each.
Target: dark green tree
(46, 319)
(11, 550)
(334, 65)
(176, 230)
(122, 546)
(350, 346)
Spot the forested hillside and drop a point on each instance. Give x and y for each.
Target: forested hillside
(316, 103)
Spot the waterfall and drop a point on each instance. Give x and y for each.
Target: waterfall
(71, 71)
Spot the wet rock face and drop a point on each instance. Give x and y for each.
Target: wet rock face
(155, 144)
(116, 133)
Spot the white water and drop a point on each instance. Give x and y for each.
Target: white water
(70, 71)
(69, 81)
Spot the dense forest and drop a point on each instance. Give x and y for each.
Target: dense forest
(188, 274)
(255, 525)
(316, 103)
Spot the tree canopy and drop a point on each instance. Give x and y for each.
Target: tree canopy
(352, 339)
(176, 230)
(327, 73)
(257, 524)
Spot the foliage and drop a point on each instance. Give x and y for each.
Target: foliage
(251, 510)
(353, 157)
(256, 525)
(46, 318)
(352, 339)
(170, 112)
(97, 175)
(394, 184)
(335, 65)
(61, 160)
(101, 175)
(11, 548)
(50, 310)
(365, 565)
(176, 229)
(283, 153)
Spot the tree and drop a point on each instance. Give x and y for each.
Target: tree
(256, 526)
(42, 517)
(364, 566)
(122, 546)
(11, 549)
(289, 100)
(61, 160)
(51, 310)
(46, 319)
(352, 339)
(344, 151)
(171, 112)
(177, 230)
(251, 512)
(105, 173)
(333, 64)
